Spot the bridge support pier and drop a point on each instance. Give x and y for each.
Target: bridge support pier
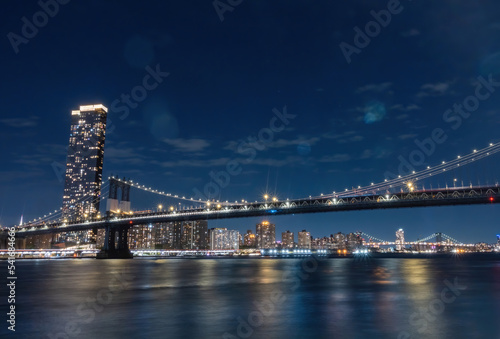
(115, 247)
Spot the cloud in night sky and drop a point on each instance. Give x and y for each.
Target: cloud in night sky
(378, 88)
(434, 89)
(20, 122)
(187, 145)
(374, 112)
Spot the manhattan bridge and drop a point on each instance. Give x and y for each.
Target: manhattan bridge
(403, 191)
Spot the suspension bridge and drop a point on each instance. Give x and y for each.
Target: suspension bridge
(402, 191)
(441, 239)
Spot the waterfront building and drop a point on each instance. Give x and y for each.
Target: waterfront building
(141, 237)
(354, 241)
(249, 239)
(304, 239)
(223, 239)
(400, 240)
(265, 235)
(195, 235)
(340, 241)
(82, 187)
(287, 239)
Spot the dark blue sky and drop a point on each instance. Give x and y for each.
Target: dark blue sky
(353, 121)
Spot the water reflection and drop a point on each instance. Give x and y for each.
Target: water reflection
(189, 298)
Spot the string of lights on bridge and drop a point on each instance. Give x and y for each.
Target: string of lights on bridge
(419, 241)
(407, 181)
(401, 181)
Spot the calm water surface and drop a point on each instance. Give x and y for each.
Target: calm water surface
(256, 298)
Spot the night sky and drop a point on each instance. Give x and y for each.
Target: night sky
(352, 122)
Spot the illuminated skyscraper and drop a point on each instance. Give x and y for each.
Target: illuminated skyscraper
(265, 235)
(400, 240)
(287, 239)
(304, 239)
(249, 239)
(82, 188)
(195, 235)
(224, 239)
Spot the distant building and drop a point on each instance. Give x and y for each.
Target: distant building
(223, 239)
(304, 239)
(177, 235)
(82, 187)
(354, 241)
(141, 237)
(249, 239)
(340, 241)
(287, 240)
(400, 240)
(195, 235)
(265, 235)
(39, 241)
(164, 233)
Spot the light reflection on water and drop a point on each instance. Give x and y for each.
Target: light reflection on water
(206, 298)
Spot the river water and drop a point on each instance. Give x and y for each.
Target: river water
(256, 298)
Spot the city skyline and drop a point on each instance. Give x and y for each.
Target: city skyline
(351, 123)
(236, 169)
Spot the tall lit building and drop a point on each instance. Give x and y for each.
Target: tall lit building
(249, 239)
(224, 239)
(195, 235)
(265, 235)
(400, 240)
(82, 188)
(287, 239)
(142, 237)
(304, 239)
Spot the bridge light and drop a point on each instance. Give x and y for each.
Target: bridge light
(275, 199)
(475, 151)
(492, 199)
(266, 197)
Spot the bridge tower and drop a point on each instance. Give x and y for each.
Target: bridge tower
(116, 237)
(115, 243)
(114, 204)
(439, 237)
